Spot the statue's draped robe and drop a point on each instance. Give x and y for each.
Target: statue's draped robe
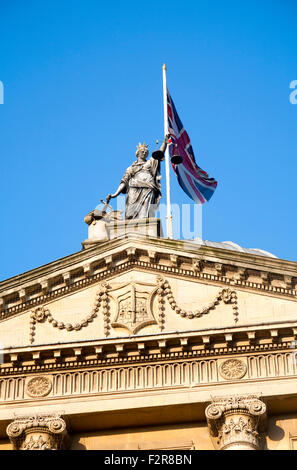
(142, 185)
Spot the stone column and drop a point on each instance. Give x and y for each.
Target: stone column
(237, 422)
(41, 432)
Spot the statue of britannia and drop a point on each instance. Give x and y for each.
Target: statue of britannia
(142, 183)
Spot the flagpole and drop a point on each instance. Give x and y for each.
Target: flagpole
(167, 163)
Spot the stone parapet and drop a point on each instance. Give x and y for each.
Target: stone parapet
(147, 227)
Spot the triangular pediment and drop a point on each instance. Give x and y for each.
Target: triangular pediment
(139, 286)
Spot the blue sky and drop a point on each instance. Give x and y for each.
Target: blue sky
(83, 84)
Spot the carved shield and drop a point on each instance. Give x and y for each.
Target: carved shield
(134, 306)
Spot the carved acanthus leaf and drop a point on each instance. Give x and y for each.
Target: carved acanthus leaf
(38, 432)
(236, 422)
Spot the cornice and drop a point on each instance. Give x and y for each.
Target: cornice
(181, 247)
(252, 339)
(172, 257)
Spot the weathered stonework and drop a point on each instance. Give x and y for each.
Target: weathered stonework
(226, 295)
(39, 386)
(237, 422)
(38, 433)
(233, 369)
(14, 300)
(41, 314)
(143, 332)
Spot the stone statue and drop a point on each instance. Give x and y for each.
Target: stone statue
(141, 183)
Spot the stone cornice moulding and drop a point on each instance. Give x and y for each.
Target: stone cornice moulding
(109, 272)
(260, 330)
(176, 247)
(138, 349)
(160, 358)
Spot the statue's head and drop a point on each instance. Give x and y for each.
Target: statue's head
(142, 151)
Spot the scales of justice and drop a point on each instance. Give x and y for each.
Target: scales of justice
(141, 183)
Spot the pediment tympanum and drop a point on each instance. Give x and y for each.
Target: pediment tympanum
(137, 303)
(134, 305)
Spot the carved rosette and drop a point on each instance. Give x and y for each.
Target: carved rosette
(38, 433)
(233, 369)
(237, 423)
(39, 386)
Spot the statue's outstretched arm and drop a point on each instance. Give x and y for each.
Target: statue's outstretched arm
(165, 143)
(118, 191)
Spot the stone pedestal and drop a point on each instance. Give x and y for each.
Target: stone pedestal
(97, 221)
(112, 226)
(150, 227)
(237, 422)
(38, 433)
(97, 233)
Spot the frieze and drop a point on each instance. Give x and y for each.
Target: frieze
(178, 372)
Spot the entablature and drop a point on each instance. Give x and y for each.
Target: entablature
(251, 339)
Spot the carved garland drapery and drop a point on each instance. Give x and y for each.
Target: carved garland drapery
(42, 314)
(164, 291)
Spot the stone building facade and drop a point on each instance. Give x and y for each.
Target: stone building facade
(136, 338)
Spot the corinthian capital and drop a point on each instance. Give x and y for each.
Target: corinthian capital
(39, 432)
(237, 422)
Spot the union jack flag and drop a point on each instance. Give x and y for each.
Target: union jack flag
(193, 180)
